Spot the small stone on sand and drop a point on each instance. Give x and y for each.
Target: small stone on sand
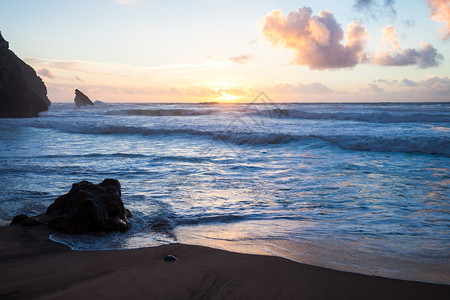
(170, 258)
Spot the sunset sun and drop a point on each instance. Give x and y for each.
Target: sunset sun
(227, 97)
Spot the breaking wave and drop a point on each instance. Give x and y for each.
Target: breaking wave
(164, 112)
(374, 117)
(439, 145)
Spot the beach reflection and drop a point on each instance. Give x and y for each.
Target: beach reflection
(259, 237)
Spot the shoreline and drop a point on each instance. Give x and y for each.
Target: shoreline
(33, 266)
(326, 253)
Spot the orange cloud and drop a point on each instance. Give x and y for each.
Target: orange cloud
(390, 54)
(316, 40)
(389, 39)
(440, 12)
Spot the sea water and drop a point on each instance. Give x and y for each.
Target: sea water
(357, 187)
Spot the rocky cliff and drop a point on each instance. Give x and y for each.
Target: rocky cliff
(81, 99)
(22, 93)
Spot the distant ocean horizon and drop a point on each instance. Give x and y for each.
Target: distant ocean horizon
(362, 187)
(258, 102)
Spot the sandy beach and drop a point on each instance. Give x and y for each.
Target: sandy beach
(32, 266)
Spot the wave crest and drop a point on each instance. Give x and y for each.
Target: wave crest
(374, 117)
(419, 144)
(164, 112)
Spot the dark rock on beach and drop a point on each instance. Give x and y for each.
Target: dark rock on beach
(25, 221)
(22, 93)
(89, 207)
(81, 99)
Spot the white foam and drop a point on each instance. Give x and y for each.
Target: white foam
(375, 117)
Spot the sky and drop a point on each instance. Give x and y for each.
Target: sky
(230, 50)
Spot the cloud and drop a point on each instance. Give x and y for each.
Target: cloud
(431, 89)
(122, 82)
(55, 64)
(390, 53)
(316, 40)
(372, 87)
(67, 65)
(389, 38)
(407, 82)
(193, 91)
(240, 60)
(376, 8)
(438, 85)
(440, 12)
(388, 82)
(409, 23)
(434, 89)
(315, 88)
(45, 72)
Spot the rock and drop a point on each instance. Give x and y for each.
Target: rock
(3, 42)
(22, 93)
(25, 221)
(81, 99)
(163, 226)
(89, 207)
(170, 258)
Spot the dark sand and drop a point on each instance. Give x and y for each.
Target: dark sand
(32, 266)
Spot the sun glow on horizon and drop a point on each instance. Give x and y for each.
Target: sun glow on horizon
(227, 97)
(226, 91)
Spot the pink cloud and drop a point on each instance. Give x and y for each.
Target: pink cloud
(317, 41)
(373, 88)
(240, 60)
(390, 53)
(389, 38)
(440, 12)
(315, 88)
(438, 85)
(45, 73)
(431, 89)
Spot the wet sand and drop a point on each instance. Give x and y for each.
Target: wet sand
(32, 266)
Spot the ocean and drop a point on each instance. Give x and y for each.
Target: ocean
(356, 187)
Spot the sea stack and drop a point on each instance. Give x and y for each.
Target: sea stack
(81, 99)
(22, 93)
